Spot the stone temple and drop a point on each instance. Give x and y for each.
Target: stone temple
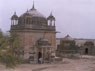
(69, 46)
(37, 34)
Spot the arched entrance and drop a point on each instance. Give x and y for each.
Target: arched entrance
(39, 56)
(86, 50)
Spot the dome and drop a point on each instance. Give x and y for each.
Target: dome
(34, 13)
(14, 17)
(67, 38)
(51, 17)
(33, 17)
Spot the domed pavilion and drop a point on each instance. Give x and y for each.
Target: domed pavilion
(37, 34)
(67, 47)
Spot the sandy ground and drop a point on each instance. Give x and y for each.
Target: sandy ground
(87, 63)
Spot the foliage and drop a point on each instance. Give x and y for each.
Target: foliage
(15, 44)
(10, 50)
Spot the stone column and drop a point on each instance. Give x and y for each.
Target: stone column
(36, 55)
(42, 56)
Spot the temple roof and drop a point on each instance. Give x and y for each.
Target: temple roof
(14, 17)
(34, 13)
(67, 38)
(51, 17)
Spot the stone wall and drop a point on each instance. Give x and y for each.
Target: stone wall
(30, 38)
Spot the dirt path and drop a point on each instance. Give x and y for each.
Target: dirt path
(72, 65)
(85, 64)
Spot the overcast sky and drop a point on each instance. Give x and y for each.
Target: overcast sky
(73, 17)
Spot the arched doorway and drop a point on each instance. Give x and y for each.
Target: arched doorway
(39, 56)
(86, 50)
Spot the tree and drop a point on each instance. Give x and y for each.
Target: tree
(3, 42)
(15, 45)
(10, 49)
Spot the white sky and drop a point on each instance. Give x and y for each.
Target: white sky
(73, 17)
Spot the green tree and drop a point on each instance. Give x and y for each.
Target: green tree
(10, 50)
(15, 45)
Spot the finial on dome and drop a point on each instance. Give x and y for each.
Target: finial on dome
(14, 17)
(15, 13)
(27, 10)
(51, 17)
(33, 7)
(68, 35)
(51, 13)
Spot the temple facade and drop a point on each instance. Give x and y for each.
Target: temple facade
(69, 45)
(66, 47)
(37, 34)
